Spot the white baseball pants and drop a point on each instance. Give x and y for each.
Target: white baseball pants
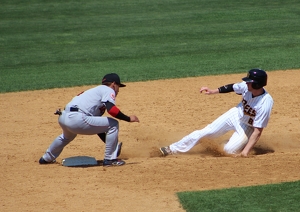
(226, 122)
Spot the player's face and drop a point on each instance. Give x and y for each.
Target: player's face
(116, 88)
(249, 84)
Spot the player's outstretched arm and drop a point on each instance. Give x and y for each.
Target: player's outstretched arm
(115, 112)
(223, 89)
(207, 90)
(134, 118)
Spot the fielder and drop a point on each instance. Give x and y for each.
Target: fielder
(83, 115)
(247, 119)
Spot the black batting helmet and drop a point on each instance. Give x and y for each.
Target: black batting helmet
(257, 77)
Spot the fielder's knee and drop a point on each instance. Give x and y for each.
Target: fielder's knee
(65, 140)
(113, 122)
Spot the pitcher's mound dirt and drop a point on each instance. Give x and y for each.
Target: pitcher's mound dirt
(168, 110)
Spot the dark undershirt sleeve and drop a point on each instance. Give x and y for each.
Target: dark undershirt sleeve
(226, 88)
(115, 112)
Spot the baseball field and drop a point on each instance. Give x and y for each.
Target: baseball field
(164, 51)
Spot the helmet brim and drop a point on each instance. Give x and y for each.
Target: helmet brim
(247, 79)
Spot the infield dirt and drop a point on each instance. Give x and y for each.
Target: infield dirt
(168, 110)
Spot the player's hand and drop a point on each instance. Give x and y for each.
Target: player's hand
(241, 155)
(206, 90)
(134, 118)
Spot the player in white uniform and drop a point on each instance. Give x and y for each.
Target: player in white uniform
(83, 115)
(247, 119)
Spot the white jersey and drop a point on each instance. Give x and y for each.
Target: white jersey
(253, 111)
(93, 100)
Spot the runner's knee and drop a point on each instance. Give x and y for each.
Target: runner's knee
(229, 149)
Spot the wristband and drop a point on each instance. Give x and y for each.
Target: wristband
(226, 88)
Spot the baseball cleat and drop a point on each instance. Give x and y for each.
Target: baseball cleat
(119, 147)
(165, 151)
(114, 162)
(42, 161)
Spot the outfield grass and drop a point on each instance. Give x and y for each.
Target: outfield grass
(282, 197)
(47, 44)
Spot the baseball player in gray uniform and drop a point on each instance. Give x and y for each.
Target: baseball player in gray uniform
(83, 115)
(247, 119)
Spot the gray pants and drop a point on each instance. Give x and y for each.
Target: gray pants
(73, 123)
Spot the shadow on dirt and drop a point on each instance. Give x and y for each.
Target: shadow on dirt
(262, 150)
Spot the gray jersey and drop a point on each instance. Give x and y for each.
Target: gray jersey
(93, 100)
(88, 120)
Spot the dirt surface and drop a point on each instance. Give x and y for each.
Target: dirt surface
(168, 110)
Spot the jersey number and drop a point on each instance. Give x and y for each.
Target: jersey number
(250, 121)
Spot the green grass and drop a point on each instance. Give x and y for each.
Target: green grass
(48, 44)
(282, 197)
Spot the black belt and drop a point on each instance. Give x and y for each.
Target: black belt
(74, 109)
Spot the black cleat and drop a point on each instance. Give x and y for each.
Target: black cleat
(114, 162)
(165, 151)
(42, 161)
